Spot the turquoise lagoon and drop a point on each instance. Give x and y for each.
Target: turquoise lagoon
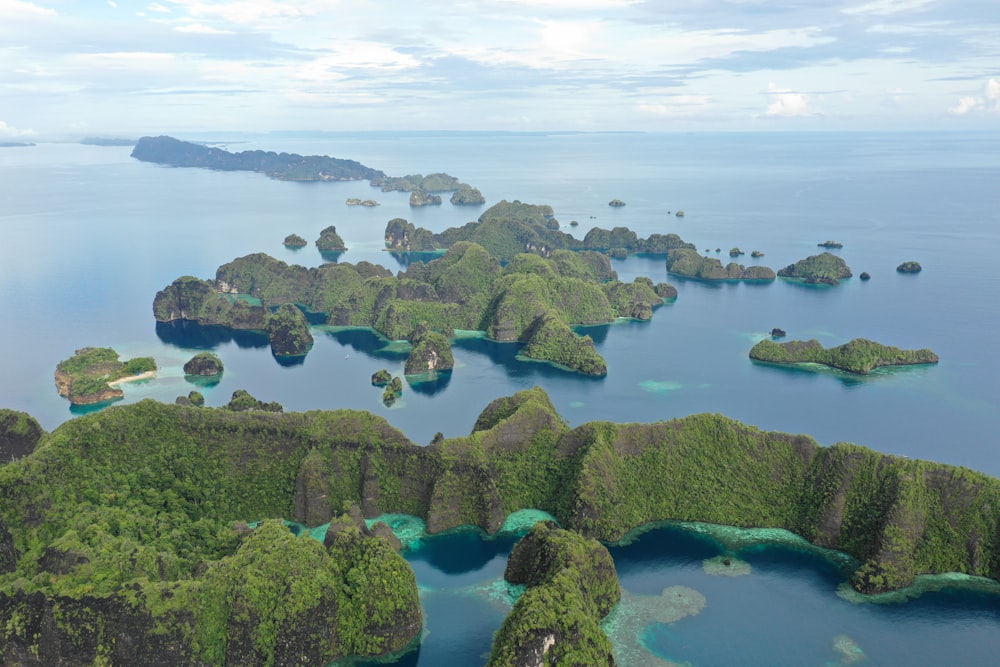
(90, 235)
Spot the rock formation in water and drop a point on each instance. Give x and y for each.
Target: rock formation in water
(571, 585)
(689, 263)
(825, 268)
(424, 198)
(288, 331)
(431, 353)
(860, 355)
(468, 196)
(294, 241)
(85, 377)
(329, 241)
(204, 363)
(909, 267)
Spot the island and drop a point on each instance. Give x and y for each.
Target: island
(329, 241)
(909, 267)
(288, 332)
(206, 364)
(106, 557)
(688, 263)
(369, 203)
(295, 241)
(509, 228)
(92, 374)
(756, 253)
(284, 166)
(424, 198)
(532, 300)
(431, 352)
(616, 203)
(735, 252)
(466, 195)
(15, 144)
(823, 269)
(859, 356)
(865, 275)
(381, 377)
(393, 390)
(830, 244)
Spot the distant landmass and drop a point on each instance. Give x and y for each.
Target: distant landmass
(284, 166)
(859, 356)
(107, 141)
(15, 144)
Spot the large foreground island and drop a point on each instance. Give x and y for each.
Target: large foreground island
(123, 535)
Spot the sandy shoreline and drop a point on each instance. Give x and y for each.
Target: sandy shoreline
(133, 378)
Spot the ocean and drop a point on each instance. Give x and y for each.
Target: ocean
(90, 235)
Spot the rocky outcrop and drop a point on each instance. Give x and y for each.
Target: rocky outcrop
(822, 269)
(424, 198)
(288, 331)
(909, 267)
(688, 263)
(329, 241)
(431, 353)
(571, 585)
(312, 504)
(295, 241)
(204, 363)
(468, 196)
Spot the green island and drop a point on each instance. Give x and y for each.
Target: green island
(823, 269)
(909, 267)
(294, 241)
(87, 377)
(422, 189)
(508, 228)
(532, 300)
(329, 241)
(859, 356)
(124, 535)
(689, 263)
(284, 166)
(205, 364)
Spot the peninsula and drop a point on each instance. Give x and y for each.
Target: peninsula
(532, 300)
(197, 585)
(859, 356)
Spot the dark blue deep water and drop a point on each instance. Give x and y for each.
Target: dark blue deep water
(90, 235)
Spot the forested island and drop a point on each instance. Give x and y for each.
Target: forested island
(284, 166)
(87, 377)
(508, 228)
(687, 262)
(822, 269)
(532, 300)
(124, 534)
(859, 356)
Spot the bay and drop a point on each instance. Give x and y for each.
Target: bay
(90, 235)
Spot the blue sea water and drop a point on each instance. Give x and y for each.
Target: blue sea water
(90, 235)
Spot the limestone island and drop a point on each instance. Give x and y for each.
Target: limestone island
(467, 195)
(756, 253)
(288, 332)
(509, 228)
(865, 275)
(209, 588)
(294, 241)
(424, 198)
(369, 203)
(859, 356)
(909, 267)
(431, 352)
(735, 252)
(823, 269)
(688, 263)
(329, 241)
(532, 300)
(89, 376)
(206, 364)
(616, 203)
(393, 390)
(284, 166)
(830, 244)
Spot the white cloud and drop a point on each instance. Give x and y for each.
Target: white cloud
(8, 131)
(245, 11)
(112, 4)
(786, 102)
(988, 101)
(886, 7)
(157, 7)
(964, 106)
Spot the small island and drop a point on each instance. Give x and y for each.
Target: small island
(205, 364)
(616, 203)
(467, 195)
(830, 244)
(90, 376)
(735, 252)
(865, 275)
(431, 352)
(329, 241)
(288, 331)
(756, 253)
(295, 241)
(424, 198)
(860, 356)
(688, 263)
(369, 203)
(909, 267)
(823, 269)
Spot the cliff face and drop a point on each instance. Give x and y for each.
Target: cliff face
(19, 433)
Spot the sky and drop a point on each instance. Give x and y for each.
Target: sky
(121, 68)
